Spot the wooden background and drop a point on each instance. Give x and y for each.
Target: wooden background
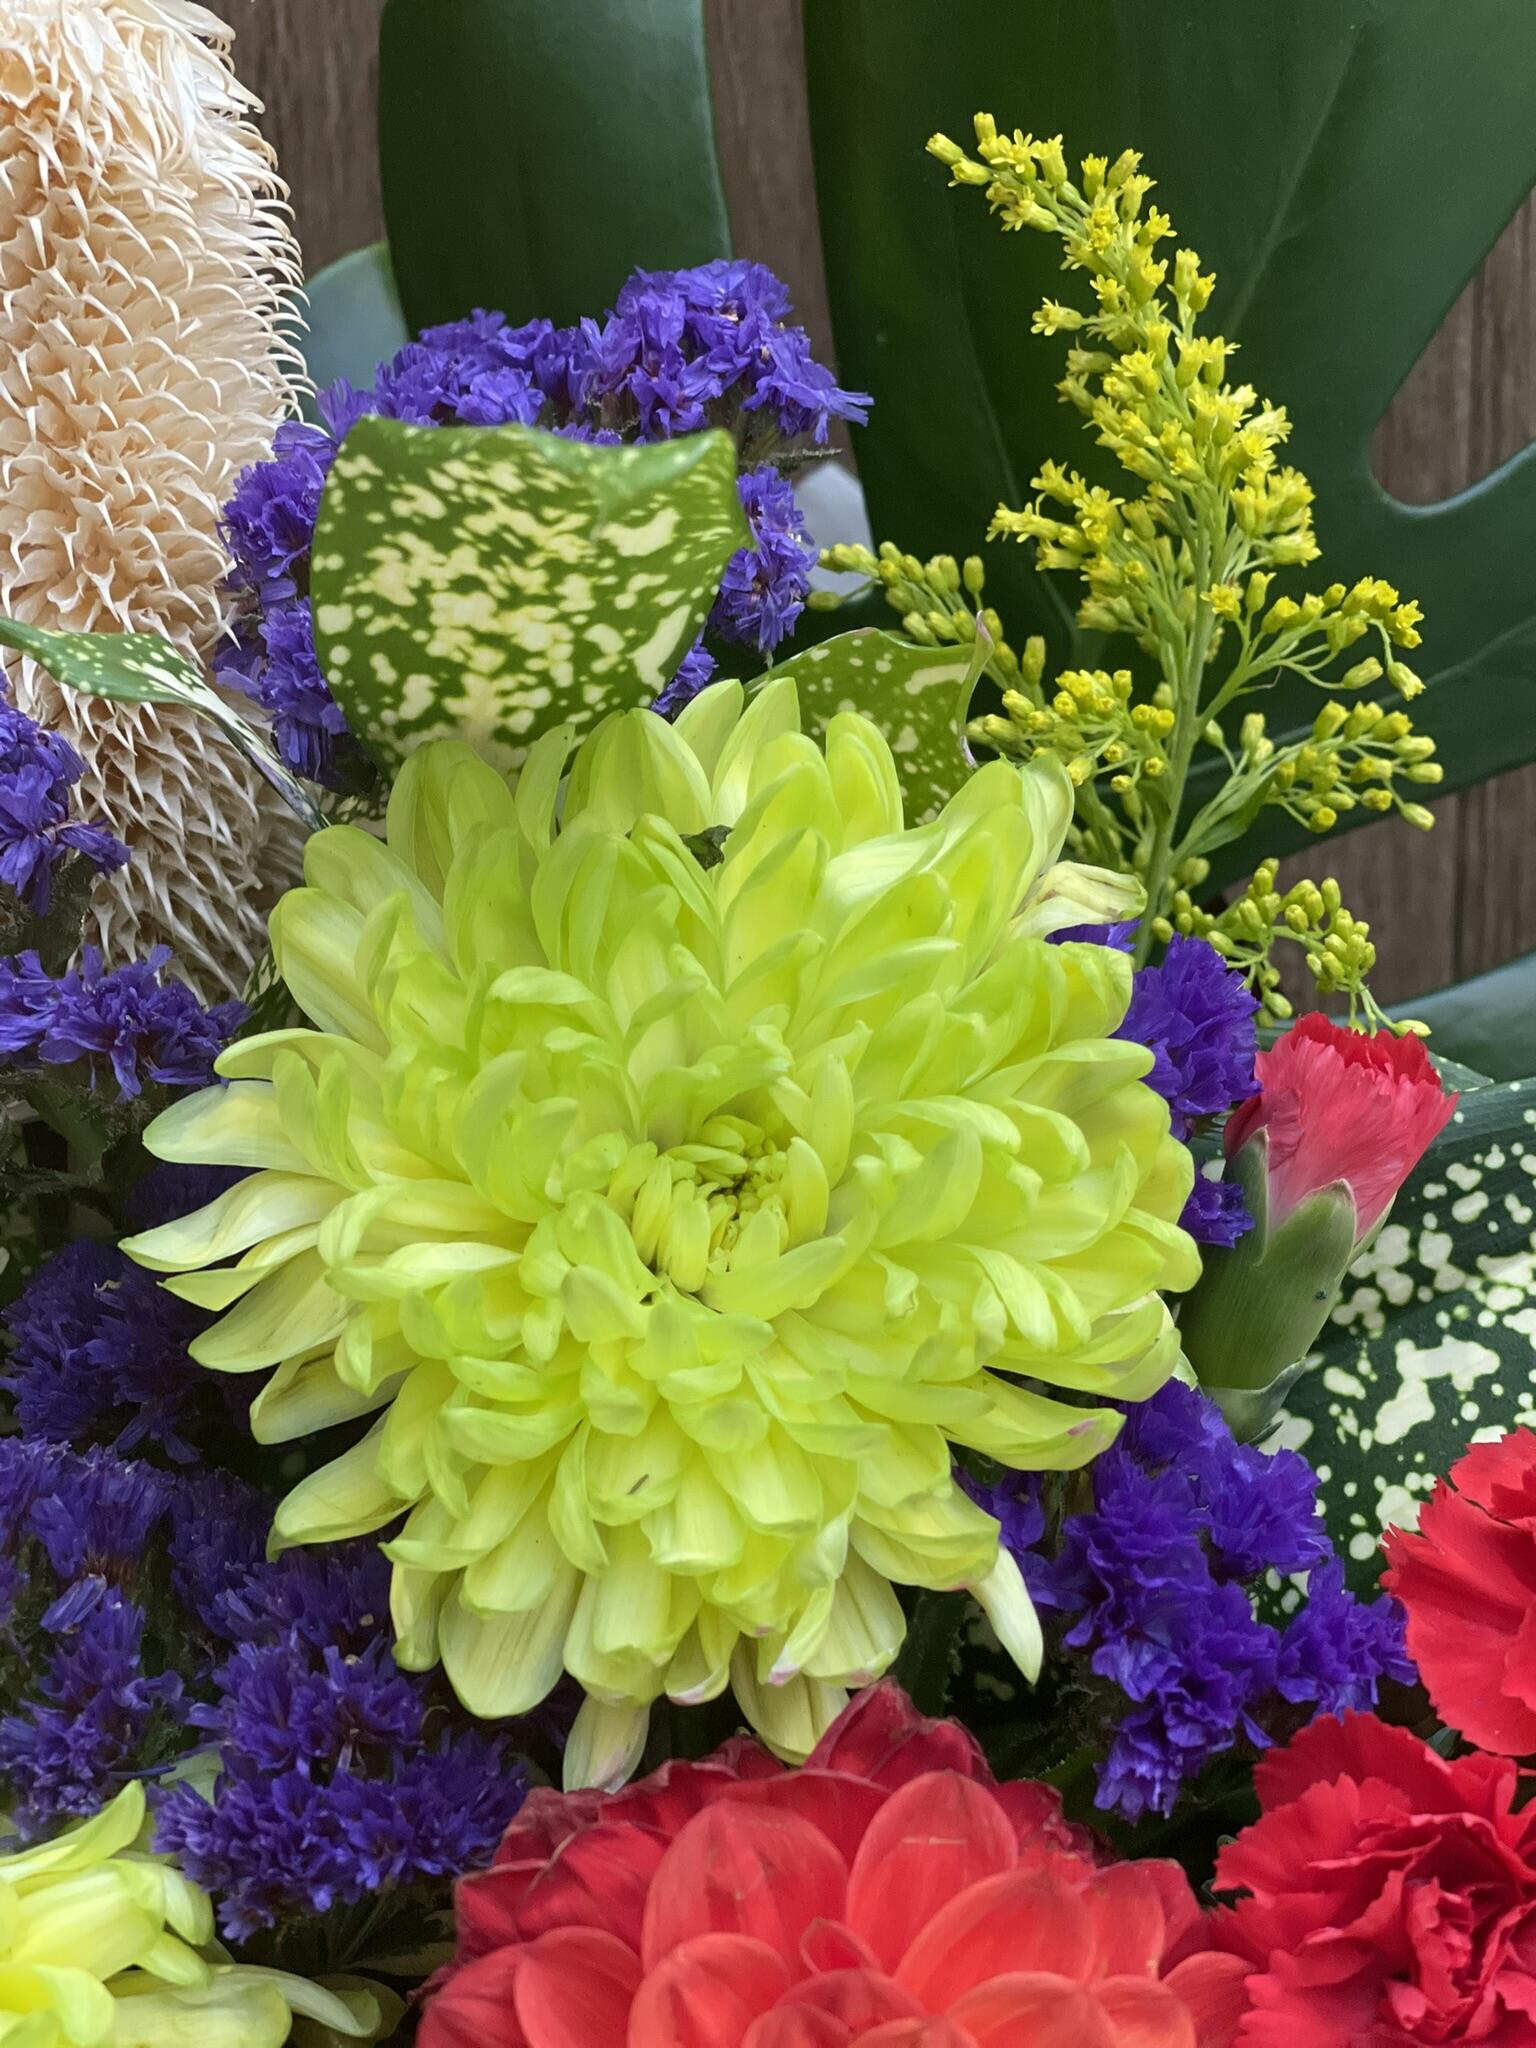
(1442, 905)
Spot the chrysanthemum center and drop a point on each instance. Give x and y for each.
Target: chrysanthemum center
(701, 1205)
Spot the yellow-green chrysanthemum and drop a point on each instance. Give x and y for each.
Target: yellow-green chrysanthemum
(99, 1949)
(682, 1196)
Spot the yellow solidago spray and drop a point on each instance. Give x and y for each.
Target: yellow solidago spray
(678, 1183)
(1182, 565)
(101, 1947)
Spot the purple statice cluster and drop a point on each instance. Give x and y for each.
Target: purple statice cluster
(681, 350)
(1196, 1016)
(1156, 1584)
(341, 1776)
(98, 1355)
(131, 1026)
(144, 1633)
(38, 772)
(87, 1699)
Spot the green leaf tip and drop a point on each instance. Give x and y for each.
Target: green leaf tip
(919, 697)
(141, 668)
(486, 583)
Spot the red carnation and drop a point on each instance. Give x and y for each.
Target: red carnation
(1468, 1581)
(1391, 1896)
(891, 1894)
(1340, 1106)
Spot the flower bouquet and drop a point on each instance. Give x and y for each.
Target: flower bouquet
(667, 1273)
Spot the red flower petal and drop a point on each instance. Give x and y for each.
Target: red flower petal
(840, 1806)
(1500, 1476)
(705, 1995)
(1145, 2015)
(932, 2033)
(600, 1878)
(739, 1869)
(859, 1998)
(1005, 1924)
(791, 2026)
(475, 2006)
(882, 1737)
(1037, 2009)
(1044, 1835)
(1358, 1747)
(1340, 1106)
(1129, 1925)
(828, 1945)
(1468, 1581)
(575, 1989)
(1213, 1987)
(932, 1840)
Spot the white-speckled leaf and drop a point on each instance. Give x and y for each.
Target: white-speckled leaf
(141, 668)
(485, 583)
(918, 696)
(1434, 1339)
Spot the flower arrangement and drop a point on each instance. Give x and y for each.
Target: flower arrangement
(670, 1425)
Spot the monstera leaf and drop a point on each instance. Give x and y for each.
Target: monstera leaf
(530, 163)
(1434, 1339)
(484, 583)
(1342, 165)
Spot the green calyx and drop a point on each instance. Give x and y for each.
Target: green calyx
(1249, 1323)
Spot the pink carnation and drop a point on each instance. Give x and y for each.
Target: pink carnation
(1339, 1105)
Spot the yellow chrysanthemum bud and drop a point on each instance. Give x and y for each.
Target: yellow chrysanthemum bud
(682, 1182)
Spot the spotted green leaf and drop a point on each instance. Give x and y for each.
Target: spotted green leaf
(140, 668)
(1434, 1339)
(918, 696)
(484, 583)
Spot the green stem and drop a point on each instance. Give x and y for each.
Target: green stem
(1186, 731)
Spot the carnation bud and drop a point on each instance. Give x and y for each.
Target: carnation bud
(1320, 1154)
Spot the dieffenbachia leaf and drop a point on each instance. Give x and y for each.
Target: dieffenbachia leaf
(485, 583)
(140, 668)
(918, 696)
(1433, 1342)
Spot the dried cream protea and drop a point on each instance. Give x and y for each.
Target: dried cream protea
(145, 265)
(682, 1207)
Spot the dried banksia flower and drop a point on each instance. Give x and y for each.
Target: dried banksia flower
(147, 355)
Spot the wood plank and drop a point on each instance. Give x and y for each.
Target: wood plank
(315, 65)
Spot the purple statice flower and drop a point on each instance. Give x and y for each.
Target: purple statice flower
(1196, 1014)
(1154, 1589)
(1216, 1212)
(1013, 1502)
(339, 1773)
(1335, 1648)
(38, 771)
(141, 1626)
(98, 1355)
(88, 1704)
(92, 1719)
(679, 343)
(276, 664)
(764, 588)
(134, 1024)
(277, 1845)
(693, 672)
(269, 523)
